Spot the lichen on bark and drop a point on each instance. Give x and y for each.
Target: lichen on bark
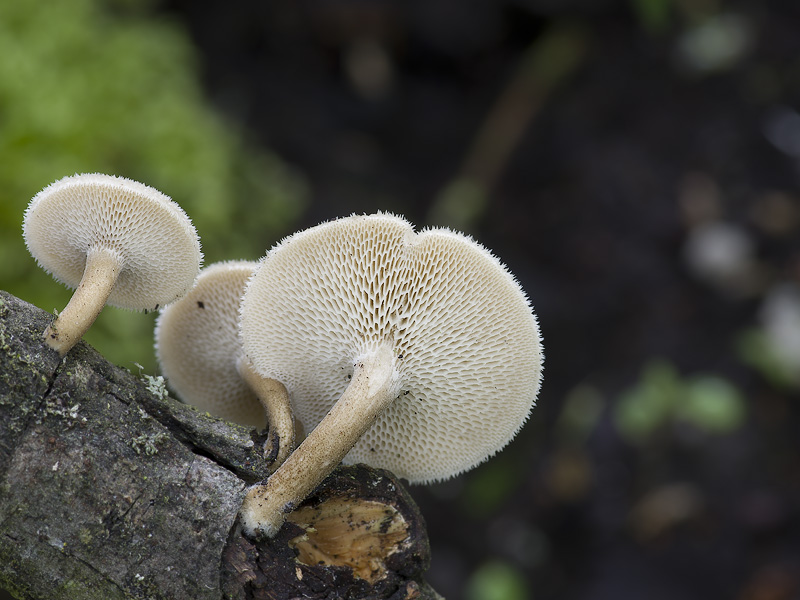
(109, 489)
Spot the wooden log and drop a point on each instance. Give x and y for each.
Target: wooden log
(111, 489)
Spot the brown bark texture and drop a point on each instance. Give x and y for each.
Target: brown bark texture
(111, 489)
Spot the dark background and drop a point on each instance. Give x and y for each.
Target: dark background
(651, 136)
(635, 164)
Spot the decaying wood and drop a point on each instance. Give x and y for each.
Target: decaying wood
(359, 534)
(110, 489)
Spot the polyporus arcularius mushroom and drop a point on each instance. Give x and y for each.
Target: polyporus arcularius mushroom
(200, 353)
(417, 353)
(115, 241)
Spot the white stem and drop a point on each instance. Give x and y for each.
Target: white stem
(275, 399)
(371, 390)
(99, 276)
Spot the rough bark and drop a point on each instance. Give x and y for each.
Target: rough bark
(110, 489)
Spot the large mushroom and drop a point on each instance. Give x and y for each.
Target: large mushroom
(115, 241)
(418, 353)
(200, 353)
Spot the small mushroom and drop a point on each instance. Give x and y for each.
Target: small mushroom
(417, 353)
(115, 241)
(200, 353)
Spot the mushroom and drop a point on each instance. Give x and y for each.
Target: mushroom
(116, 241)
(417, 353)
(198, 348)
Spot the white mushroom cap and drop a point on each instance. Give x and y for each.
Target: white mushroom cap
(155, 240)
(466, 344)
(198, 347)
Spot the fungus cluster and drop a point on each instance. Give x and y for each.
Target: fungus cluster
(414, 352)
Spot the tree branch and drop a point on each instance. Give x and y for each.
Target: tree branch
(110, 489)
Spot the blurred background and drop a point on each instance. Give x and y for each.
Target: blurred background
(633, 162)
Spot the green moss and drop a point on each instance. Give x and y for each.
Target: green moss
(11, 586)
(88, 86)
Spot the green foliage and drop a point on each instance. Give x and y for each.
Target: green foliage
(707, 402)
(583, 407)
(640, 411)
(101, 86)
(497, 580)
(755, 348)
(713, 404)
(654, 15)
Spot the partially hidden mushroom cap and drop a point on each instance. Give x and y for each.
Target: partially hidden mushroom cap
(151, 234)
(198, 348)
(466, 341)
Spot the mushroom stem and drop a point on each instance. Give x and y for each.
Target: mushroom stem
(275, 399)
(99, 276)
(371, 390)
